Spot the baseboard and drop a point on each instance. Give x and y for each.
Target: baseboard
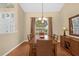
(13, 49)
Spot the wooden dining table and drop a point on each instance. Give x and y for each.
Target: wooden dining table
(33, 42)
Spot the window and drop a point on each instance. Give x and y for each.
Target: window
(7, 22)
(41, 27)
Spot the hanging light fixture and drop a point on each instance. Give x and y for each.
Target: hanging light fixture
(42, 18)
(42, 14)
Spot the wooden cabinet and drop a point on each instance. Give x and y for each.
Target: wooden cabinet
(75, 47)
(71, 44)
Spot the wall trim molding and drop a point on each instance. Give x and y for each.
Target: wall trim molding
(13, 48)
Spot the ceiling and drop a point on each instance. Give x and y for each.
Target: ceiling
(37, 7)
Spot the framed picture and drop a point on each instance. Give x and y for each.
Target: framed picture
(74, 25)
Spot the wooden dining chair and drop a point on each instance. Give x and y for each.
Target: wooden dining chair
(32, 50)
(31, 45)
(30, 38)
(55, 37)
(44, 48)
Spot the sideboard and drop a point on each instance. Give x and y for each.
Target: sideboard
(70, 44)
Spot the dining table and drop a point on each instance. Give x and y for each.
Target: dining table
(33, 42)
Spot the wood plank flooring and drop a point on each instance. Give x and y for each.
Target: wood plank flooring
(23, 50)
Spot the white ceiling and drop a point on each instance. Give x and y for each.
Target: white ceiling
(37, 7)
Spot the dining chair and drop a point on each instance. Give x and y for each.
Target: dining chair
(55, 37)
(30, 37)
(31, 45)
(44, 48)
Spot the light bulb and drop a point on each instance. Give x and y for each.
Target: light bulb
(39, 18)
(64, 28)
(42, 21)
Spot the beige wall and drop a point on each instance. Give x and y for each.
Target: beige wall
(55, 20)
(68, 10)
(21, 22)
(10, 40)
(60, 19)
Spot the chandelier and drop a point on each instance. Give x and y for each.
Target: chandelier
(42, 18)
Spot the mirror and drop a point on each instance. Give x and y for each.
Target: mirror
(74, 25)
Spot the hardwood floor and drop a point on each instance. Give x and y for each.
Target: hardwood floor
(61, 51)
(23, 50)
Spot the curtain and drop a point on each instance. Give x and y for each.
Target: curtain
(32, 28)
(50, 31)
